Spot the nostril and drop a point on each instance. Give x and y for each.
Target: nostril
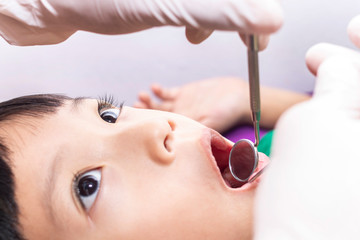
(168, 143)
(169, 137)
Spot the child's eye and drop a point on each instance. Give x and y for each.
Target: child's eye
(110, 115)
(87, 187)
(108, 108)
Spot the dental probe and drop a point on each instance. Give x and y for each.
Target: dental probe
(253, 69)
(244, 157)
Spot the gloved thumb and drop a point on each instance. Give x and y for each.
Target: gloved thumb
(196, 36)
(317, 54)
(338, 81)
(354, 30)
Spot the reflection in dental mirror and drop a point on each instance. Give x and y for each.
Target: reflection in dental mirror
(243, 161)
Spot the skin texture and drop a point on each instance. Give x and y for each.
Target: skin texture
(158, 178)
(221, 103)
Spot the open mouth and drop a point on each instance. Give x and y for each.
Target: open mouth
(221, 150)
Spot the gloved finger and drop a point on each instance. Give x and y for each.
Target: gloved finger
(197, 36)
(263, 40)
(354, 30)
(338, 77)
(249, 17)
(322, 51)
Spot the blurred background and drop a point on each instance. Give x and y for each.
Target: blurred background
(93, 65)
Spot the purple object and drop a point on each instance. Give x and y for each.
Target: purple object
(241, 132)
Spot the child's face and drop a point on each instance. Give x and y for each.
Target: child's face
(150, 175)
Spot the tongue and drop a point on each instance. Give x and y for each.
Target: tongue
(230, 180)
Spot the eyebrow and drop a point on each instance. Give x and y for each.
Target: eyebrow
(50, 184)
(53, 174)
(78, 101)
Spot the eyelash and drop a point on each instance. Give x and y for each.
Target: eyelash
(108, 101)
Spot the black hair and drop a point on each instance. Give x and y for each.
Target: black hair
(33, 106)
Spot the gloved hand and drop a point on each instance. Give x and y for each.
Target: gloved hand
(311, 189)
(30, 22)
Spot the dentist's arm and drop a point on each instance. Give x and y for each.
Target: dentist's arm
(32, 22)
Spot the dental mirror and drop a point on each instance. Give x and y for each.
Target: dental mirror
(243, 160)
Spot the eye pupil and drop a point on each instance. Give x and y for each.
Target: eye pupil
(109, 118)
(110, 115)
(87, 186)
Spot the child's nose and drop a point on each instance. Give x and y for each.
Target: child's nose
(156, 136)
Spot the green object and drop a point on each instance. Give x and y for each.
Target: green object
(265, 143)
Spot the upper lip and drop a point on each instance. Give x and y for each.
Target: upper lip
(217, 150)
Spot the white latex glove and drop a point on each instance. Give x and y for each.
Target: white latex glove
(311, 189)
(30, 22)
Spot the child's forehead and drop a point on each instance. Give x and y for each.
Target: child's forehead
(22, 129)
(16, 131)
(28, 132)
(73, 116)
(32, 135)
